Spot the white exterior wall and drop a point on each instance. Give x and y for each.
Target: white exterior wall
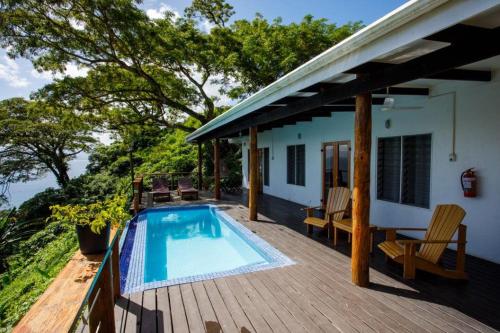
(477, 145)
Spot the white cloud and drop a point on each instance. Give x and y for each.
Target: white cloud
(207, 26)
(72, 70)
(158, 13)
(9, 72)
(78, 25)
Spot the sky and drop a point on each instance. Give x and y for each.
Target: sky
(18, 78)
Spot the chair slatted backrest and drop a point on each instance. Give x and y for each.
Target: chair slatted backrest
(444, 224)
(338, 199)
(160, 183)
(185, 183)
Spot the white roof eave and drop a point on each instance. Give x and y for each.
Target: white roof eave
(356, 50)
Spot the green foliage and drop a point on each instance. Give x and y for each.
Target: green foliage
(265, 51)
(172, 154)
(96, 215)
(31, 271)
(36, 138)
(38, 207)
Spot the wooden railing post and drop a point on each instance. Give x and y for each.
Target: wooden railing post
(137, 184)
(217, 169)
(200, 166)
(252, 188)
(101, 312)
(115, 269)
(361, 191)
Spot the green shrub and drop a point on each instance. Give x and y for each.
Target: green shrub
(96, 215)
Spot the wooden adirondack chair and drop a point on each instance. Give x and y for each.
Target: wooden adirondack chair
(444, 223)
(336, 206)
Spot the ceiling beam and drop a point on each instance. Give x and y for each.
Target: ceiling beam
(463, 52)
(408, 91)
(451, 74)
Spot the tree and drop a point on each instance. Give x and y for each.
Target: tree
(166, 69)
(36, 138)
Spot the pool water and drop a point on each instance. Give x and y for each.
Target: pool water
(192, 242)
(180, 244)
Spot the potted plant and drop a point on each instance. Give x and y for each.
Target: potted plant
(93, 222)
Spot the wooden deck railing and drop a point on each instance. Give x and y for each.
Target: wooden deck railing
(96, 313)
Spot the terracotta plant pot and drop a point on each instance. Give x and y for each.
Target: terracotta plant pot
(91, 243)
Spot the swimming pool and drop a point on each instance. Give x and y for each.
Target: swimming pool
(180, 244)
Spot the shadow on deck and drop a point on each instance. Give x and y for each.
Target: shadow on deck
(479, 297)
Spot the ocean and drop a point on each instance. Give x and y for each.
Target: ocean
(20, 192)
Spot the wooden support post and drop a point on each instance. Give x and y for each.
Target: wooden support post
(217, 169)
(200, 167)
(102, 316)
(252, 188)
(115, 269)
(361, 192)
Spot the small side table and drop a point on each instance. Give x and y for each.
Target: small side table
(346, 225)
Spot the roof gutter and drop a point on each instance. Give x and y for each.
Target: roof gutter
(388, 23)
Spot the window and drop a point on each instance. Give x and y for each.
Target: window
(266, 166)
(403, 169)
(296, 165)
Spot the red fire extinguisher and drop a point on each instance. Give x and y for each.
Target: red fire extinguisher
(469, 181)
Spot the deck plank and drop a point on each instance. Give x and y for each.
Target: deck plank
(191, 307)
(210, 321)
(148, 318)
(121, 307)
(179, 319)
(238, 315)
(223, 316)
(134, 313)
(163, 314)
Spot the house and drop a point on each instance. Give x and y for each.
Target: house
(431, 70)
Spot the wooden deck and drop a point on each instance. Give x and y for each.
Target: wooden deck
(58, 306)
(316, 294)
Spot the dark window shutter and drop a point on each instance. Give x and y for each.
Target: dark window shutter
(388, 168)
(290, 164)
(416, 170)
(300, 155)
(266, 166)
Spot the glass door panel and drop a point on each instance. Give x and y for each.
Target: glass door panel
(336, 166)
(327, 170)
(343, 165)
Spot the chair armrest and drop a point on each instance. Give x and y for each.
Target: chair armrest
(308, 208)
(400, 228)
(424, 241)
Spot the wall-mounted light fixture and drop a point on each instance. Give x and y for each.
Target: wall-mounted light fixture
(299, 136)
(388, 123)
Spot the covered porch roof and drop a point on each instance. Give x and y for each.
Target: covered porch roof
(403, 53)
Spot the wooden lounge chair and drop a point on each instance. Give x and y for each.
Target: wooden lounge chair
(336, 206)
(185, 189)
(160, 191)
(445, 222)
